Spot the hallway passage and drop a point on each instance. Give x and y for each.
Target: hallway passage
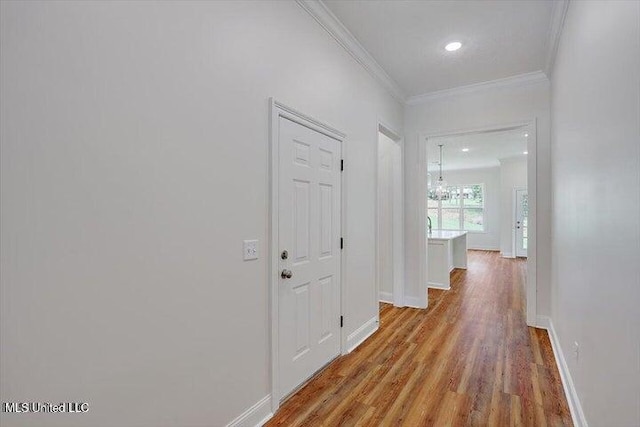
(469, 359)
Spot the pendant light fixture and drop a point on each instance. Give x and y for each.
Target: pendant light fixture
(440, 184)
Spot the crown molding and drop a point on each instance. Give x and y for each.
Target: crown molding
(321, 13)
(327, 19)
(555, 31)
(513, 81)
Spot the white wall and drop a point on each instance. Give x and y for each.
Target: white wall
(596, 201)
(134, 162)
(489, 239)
(477, 110)
(513, 174)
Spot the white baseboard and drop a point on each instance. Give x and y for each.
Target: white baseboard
(434, 285)
(358, 336)
(483, 248)
(577, 414)
(385, 297)
(415, 302)
(543, 322)
(255, 416)
(507, 255)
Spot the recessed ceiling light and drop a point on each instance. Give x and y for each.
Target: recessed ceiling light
(465, 149)
(525, 152)
(453, 46)
(526, 135)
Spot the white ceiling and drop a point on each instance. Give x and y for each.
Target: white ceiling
(500, 39)
(485, 150)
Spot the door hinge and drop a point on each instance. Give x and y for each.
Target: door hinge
(341, 165)
(341, 321)
(341, 243)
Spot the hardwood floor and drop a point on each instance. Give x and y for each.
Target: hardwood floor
(469, 359)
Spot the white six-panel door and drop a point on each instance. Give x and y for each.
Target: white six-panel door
(309, 232)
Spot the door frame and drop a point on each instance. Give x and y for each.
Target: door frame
(514, 215)
(276, 111)
(421, 196)
(398, 223)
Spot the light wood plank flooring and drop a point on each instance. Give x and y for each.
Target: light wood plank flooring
(469, 359)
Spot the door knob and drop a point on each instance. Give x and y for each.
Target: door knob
(286, 274)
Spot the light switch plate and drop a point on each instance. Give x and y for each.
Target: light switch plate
(250, 250)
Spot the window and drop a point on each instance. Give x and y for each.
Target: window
(458, 207)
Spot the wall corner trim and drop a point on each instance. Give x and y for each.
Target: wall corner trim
(255, 416)
(361, 334)
(577, 414)
(321, 13)
(513, 81)
(555, 31)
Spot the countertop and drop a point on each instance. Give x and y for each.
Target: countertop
(445, 234)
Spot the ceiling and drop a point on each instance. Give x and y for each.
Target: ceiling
(485, 149)
(407, 37)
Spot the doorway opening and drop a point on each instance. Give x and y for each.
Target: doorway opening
(479, 194)
(390, 218)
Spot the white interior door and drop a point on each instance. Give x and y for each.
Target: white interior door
(522, 222)
(309, 232)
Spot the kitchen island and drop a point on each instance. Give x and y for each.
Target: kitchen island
(447, 250)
